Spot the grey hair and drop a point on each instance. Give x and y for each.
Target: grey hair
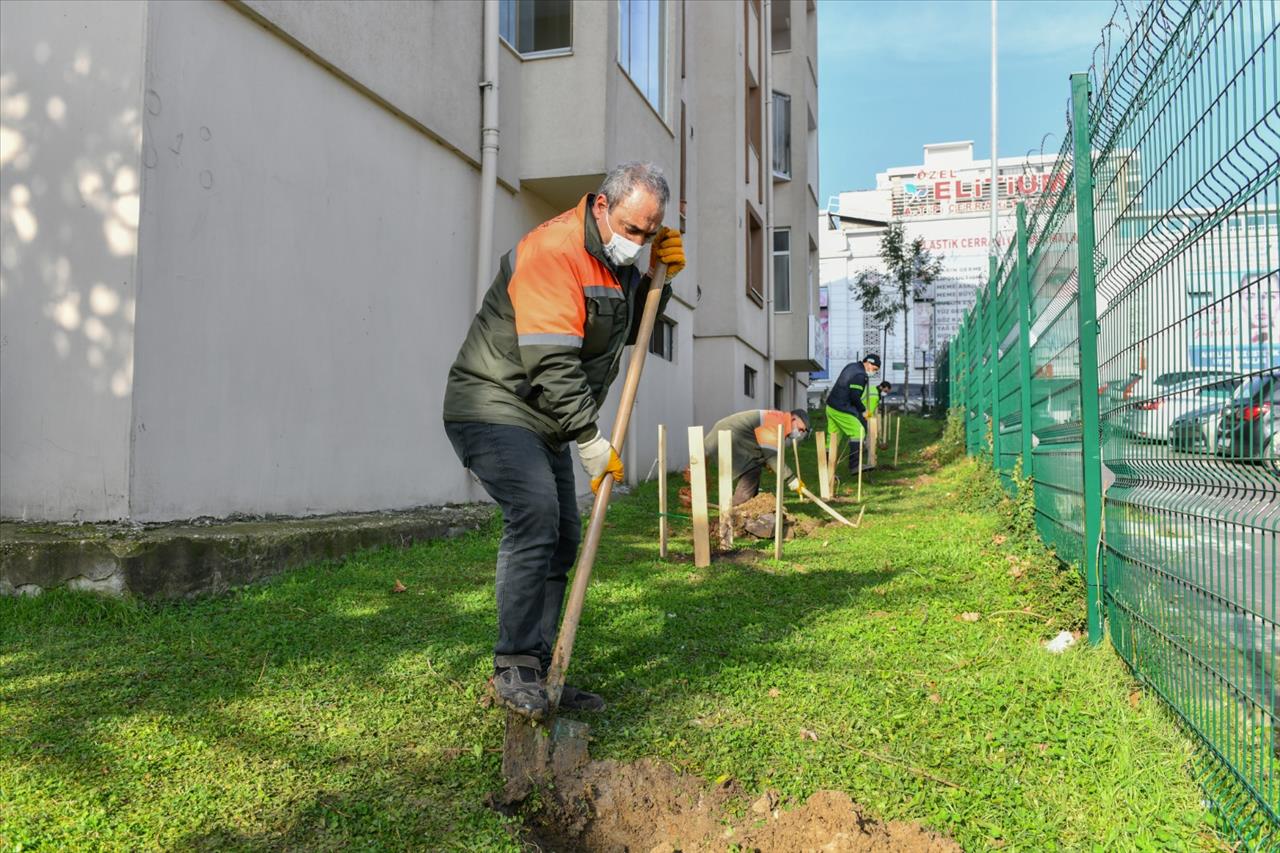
(627, 178)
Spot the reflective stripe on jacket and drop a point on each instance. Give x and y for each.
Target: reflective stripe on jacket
(848, 393)
(547, 341)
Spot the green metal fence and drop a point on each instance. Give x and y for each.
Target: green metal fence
(1126, 354)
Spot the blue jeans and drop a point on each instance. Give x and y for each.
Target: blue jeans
(533, 484)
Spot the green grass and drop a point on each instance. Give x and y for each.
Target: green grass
(322, 711)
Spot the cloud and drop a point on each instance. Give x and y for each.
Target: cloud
(945, 31)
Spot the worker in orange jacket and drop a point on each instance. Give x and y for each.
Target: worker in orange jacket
(529, 380)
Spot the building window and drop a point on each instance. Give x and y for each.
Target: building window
(753, 97)
(777, 397)
(641, 50)
(749, 381)
(536, 26)
(755, 257)
(781, 270)
(781, 135)
(662, 342)
(781, 25)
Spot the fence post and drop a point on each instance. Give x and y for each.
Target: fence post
(1024, 340)
(1087, 320)
(993, 327)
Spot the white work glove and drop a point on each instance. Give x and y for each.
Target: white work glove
(599, 460)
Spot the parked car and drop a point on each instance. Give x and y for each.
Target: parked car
(1247, 427)
(1197, 430)
(1149, 402)
(1152, 419)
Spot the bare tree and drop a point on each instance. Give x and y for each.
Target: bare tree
(909, 270)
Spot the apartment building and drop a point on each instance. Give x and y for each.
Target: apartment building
(243, 240)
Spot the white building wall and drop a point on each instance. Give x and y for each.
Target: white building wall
(71, 101)
(292, 363)
(303, 263)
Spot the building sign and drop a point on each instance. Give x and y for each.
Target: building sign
(946, 191)
(1252, 309)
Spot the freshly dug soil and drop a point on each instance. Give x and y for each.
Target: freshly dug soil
(649, 807)
(754, 518)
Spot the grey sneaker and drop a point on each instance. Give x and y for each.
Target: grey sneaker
(521, 689)
(573, 699)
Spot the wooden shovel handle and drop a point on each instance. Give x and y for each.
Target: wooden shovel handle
(595, 529)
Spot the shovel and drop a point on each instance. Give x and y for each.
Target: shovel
(533, 753)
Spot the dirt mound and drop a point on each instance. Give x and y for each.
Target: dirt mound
(648, 806)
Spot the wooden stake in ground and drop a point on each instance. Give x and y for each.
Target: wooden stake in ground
(795, 447)
(873, 425)
(725, 444)
(824, 478)
(833, 458)
(663, 527)
(777, 504)
(896, 435)
(698, 486)
(860, 444)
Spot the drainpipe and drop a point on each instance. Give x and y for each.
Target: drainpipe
(766, 71)
(488, 150)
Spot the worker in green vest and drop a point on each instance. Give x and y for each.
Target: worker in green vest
(847, 405)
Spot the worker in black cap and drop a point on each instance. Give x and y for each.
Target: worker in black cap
(847, 405)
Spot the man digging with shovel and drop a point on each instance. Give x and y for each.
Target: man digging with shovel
(530, 377)
(755, 445)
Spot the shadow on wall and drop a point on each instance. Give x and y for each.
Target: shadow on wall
(69, 207)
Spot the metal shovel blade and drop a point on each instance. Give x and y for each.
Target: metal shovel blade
(534, 754)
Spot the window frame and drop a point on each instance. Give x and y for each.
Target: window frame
(533, 54)
(773, 40)
(749, 376)
(661, 86)
(756, 269)
(662, 342)
(784, 128)
(775, 255)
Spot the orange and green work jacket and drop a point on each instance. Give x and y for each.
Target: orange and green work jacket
(548, 338)
(755, 439)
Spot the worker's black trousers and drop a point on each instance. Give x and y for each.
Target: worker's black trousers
(534, 486)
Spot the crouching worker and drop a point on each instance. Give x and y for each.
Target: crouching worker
(847, 406)
(529, 379)
(754, 435)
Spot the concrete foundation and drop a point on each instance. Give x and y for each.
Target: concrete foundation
(184, 560)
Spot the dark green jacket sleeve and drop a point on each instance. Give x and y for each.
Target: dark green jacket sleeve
(638, 294)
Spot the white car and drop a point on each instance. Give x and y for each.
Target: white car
(1152, 404)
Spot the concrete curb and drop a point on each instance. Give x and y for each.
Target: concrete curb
(188, 559)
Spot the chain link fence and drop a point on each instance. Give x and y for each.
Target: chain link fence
(1125, 356)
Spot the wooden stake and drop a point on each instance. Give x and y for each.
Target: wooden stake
(725, 442)
(873, 425)
(833, 459)
(858, 523)
(824, 479)
(897, 435)
(777, 504)
(795, 447)
(663, 528)
(698, 485)
(861, 444)
(827, 508)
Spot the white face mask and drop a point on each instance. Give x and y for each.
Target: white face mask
(620, 250)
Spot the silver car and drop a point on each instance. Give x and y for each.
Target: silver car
(1153, 406)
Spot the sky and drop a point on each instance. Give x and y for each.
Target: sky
(894, 75)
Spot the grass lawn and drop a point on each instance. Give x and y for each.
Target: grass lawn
(324, 711)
